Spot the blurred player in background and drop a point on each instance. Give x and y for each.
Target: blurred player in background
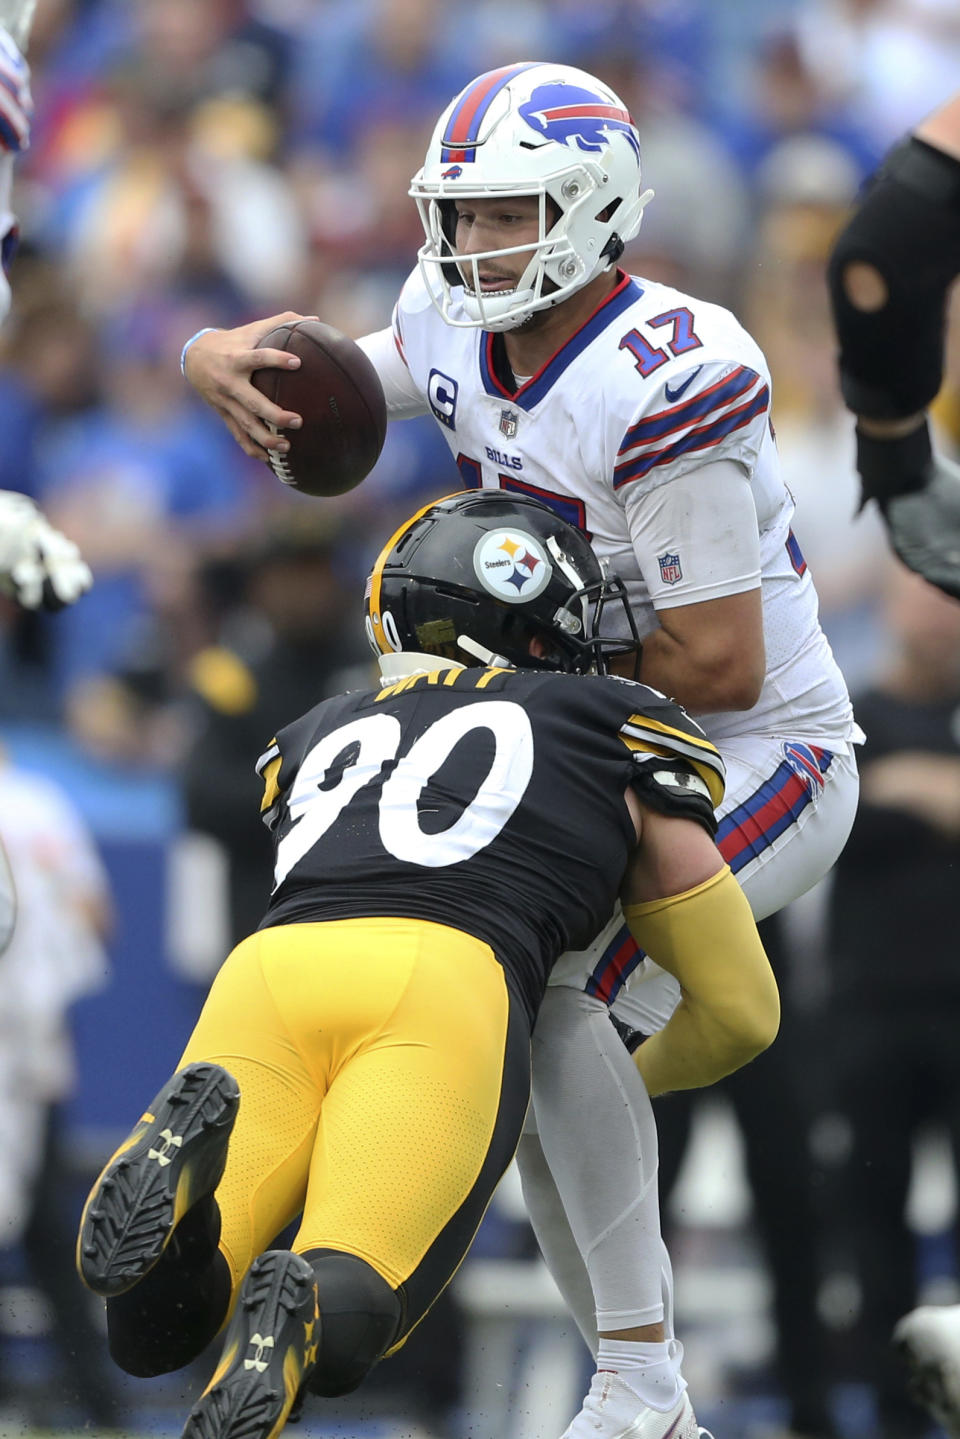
(16, 111)
(38, 565)
(642, 416)
(890, 274)
(382, 1055)
(55, 957)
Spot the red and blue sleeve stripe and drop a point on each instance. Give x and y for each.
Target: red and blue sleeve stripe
(677, 417)
(464, 124)
(701, 423)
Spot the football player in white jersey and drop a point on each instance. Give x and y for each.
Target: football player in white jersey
(642, 415)
(38, 565)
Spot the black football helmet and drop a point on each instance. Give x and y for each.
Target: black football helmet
(476, 576)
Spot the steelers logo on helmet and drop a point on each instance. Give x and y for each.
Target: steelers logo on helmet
(512, 565)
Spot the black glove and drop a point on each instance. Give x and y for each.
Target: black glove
(918, 493)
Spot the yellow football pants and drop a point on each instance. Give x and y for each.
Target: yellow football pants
(384, 1073)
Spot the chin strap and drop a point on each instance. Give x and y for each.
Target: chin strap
(401, 664)
(481, 653)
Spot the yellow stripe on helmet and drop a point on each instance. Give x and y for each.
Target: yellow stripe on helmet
(376, 577)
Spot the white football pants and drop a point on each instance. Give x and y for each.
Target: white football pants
(588, 1156)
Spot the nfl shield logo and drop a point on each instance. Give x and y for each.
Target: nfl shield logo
(508, 423)
(670, 570)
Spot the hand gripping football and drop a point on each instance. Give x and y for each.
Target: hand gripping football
(338, 393)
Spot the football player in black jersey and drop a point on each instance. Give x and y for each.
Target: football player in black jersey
(890, 272)
(363, 1059)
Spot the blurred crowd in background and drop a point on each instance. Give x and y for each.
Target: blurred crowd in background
(208, 162)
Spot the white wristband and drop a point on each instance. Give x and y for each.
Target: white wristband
(207, 330)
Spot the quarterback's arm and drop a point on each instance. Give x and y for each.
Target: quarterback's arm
(686, 910)
(219, 364)
(698, 545)
(403, 396)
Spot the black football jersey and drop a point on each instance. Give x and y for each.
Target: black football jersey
(489, 800)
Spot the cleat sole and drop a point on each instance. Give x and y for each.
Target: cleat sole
(173, 1157)
(268, 1352)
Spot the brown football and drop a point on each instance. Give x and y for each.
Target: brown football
(338, 394)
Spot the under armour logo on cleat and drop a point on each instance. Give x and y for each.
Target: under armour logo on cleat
(169, 1141)
(262, 1346)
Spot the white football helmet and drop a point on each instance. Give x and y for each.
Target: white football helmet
(530, 129)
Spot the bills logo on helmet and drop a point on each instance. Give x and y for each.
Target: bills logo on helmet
(512, 565)
(566, 113)
(670, 571)
(453, 173)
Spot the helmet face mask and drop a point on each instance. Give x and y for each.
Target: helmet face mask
(495, 578)
(547, 131)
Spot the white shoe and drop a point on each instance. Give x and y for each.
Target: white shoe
(612, 1410)
(928, 1339)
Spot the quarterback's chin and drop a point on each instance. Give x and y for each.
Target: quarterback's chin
(487, 308)
(486, 296)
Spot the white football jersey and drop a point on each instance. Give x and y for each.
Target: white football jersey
(654, 386)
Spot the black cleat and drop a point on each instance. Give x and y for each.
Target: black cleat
(269, 1349)
(174, 1157)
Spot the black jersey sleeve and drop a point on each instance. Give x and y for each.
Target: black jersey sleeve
(672, 765)
(268, 768)
(278, 765)
(673, 786)
(664, 741)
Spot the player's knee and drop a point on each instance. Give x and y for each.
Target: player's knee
(360, 1317)
(170, 1317)
(145, 1345)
